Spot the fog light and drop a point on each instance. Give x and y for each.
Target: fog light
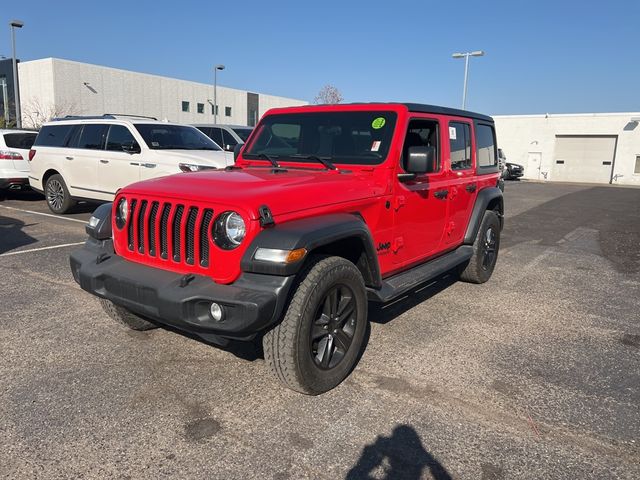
(216, 311)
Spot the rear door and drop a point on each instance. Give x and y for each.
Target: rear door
(460, 170)
(119, 163)
(81, 161)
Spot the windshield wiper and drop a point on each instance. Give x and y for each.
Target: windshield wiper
(324, 161)
(265, 156)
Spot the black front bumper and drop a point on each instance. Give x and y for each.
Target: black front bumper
(251, 304)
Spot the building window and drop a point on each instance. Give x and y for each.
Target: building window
(201, 108)
(185, 106)
(227, 111)
(637, 169)
(214, 110)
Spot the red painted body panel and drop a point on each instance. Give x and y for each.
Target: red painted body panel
(405, 215)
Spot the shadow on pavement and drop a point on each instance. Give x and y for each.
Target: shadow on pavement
(613, 212)
(11, 234)
(400, 456)
(31, 196)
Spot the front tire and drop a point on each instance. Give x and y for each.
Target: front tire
(125, 317)
(485, 250)
(57, 194)
(319, 341)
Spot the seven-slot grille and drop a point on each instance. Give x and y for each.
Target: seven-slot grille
(170, 231)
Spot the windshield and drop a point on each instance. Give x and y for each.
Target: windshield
(174, 137)
(243, 133)
(361, 138)
(20, 140)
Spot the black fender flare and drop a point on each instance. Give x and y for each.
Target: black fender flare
(314, 233)
(487, 199)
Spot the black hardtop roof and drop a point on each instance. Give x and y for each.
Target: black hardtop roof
(423, 108)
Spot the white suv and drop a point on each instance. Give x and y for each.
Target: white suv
(14, 150)
(90, 158)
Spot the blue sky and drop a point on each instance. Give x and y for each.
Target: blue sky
(541, 56)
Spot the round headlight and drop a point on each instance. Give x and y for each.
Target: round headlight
(122, 212)
(229, 230)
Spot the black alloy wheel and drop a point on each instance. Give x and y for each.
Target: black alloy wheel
(334, 327)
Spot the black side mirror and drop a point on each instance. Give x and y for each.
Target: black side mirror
(131, 148)
(236, 151)
(421, 160)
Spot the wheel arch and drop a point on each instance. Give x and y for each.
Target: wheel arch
(49, 173)
(343, 235)
(487, 199)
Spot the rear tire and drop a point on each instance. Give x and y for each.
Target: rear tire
(319, 341)
(57, 195)
(485, 250)
(125, 317)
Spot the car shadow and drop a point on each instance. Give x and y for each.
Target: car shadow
(33, 196)
(399, 456)
(11, 234)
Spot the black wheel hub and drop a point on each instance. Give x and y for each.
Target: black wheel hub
(489, 248)
(333, 327)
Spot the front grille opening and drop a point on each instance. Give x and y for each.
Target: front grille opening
(141, 214)
(204, 237)
(164, 222)
(151, 228)
(177, 220)
(190, 234)
(130, 229)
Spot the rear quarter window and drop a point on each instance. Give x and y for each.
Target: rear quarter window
(20, 140)
(486, 144)
(53, 136)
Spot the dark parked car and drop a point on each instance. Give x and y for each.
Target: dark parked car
(512, 171)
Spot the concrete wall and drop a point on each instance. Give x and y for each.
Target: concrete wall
(84, 89)
(520, 135)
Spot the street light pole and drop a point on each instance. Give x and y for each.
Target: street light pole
(477, 53)
(215, 91)
(16, 91)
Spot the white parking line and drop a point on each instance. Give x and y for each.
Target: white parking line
(44, 214)
(40, 249)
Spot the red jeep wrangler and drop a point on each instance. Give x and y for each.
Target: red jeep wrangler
(327, 207)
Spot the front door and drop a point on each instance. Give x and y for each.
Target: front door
(420, 204)
(119, 163)
(534, 164)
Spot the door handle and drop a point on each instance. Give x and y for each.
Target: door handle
(441, 194)
(135, 164)
(149, 165)
(69, 158)
(471, 187)
(104, 161)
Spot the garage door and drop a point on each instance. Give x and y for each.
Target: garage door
(584, 158)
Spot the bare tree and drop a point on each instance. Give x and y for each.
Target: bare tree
(35, 113)
(328, 94)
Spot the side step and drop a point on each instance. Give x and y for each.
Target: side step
(400, 283)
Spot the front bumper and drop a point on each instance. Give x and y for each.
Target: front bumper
(251, 304)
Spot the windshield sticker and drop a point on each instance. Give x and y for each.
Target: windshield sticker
(378, 123)
(376, 145)
(155, 144)
(452, 133)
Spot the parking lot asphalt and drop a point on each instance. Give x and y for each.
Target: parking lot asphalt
(534, 374)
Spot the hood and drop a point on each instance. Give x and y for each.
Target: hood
(249, 188)
(216, 158)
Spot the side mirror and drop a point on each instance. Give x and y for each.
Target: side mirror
(421, 160)
(236, 151)
(131, 148)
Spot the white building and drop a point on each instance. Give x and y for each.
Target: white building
(592, 148)
(54, 87)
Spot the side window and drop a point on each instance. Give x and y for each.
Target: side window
(120, 139)
(92, 136)
(74, 136)
(228, 139)
(216, 136)
(486, 145)
(53, 135)
(421, 133)
(460, 145)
